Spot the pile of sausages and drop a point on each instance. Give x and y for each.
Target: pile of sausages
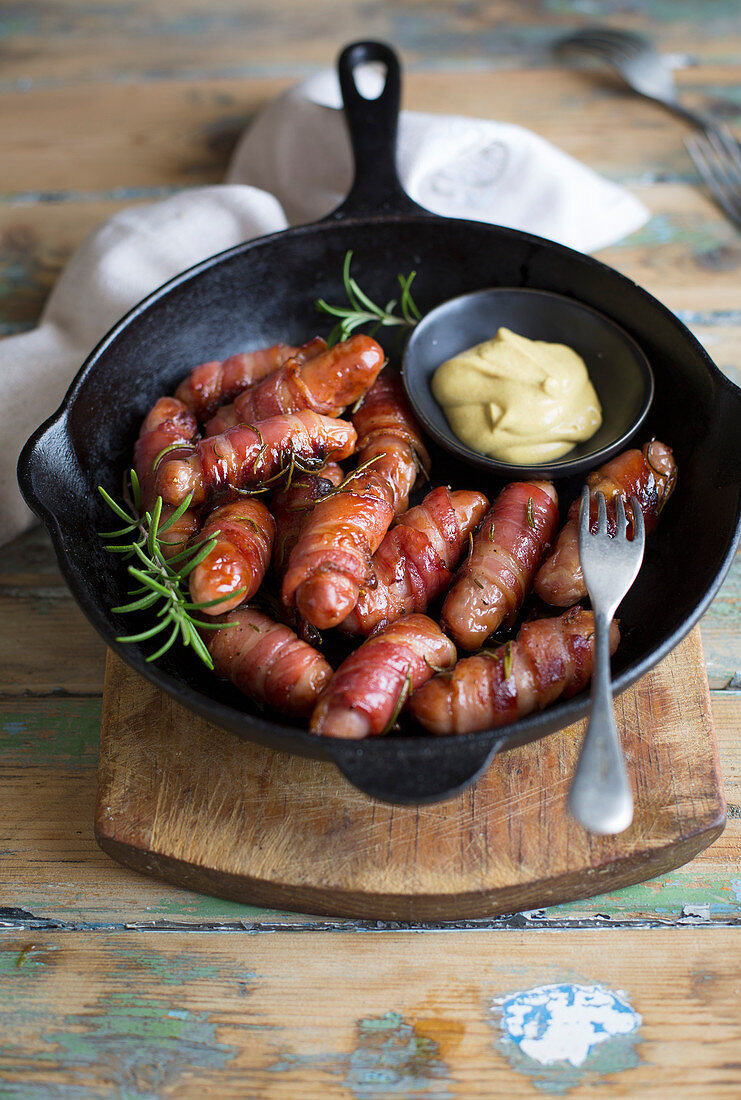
(257, 440)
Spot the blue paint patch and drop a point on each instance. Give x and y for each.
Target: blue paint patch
(716, 318)
(137, 1040)
(117, 194)
(391, 1058)
(567, 1034)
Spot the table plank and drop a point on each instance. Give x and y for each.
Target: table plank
(352, 1016)
(71, 41)
(182, 131)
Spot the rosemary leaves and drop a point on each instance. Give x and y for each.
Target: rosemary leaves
(161, 583)
(362, 311)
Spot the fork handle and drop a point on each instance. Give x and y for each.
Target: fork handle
(601, 798)
(701, 121)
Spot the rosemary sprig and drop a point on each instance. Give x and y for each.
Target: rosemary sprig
(404, 693)
(362, 311)
(502, 654)
(507, 659)
(161, 581)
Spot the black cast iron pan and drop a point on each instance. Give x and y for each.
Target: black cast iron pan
(264, 291)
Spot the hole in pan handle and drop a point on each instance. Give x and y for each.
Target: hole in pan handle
(415, 773)
(373, 125)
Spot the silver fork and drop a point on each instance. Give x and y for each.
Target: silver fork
(717, 154)
(601, 797)
(717, 158)
(637, 62)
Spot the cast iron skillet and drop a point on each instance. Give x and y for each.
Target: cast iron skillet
(264, 291)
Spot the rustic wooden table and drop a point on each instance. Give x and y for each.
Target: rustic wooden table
(114, 985)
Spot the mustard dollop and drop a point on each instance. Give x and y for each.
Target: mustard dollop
(518, 400)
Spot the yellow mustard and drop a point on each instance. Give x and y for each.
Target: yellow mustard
(518, 400)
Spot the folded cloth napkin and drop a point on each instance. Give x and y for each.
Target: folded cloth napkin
(293, 165)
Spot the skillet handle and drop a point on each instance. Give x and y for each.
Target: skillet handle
(373, 125)
(416, 772)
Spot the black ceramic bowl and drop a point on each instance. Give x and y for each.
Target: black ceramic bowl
(618, 369)
(264, 291)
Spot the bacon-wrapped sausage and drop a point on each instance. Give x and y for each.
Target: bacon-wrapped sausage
(649, 474)
(369, 688)
(291, 506)
(551, 659)
(390, 437)
(238, 562)
(246, 458)
(492, 583)
(414, 563)
(168, 422)
(326, 383)
(333, 556)
(211, 384)
(267, 662)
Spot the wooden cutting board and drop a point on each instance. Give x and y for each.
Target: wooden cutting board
(192, 804)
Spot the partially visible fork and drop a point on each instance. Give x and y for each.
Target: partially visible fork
(634, 58)
(601, 797)
(715, 151)
(717, 157)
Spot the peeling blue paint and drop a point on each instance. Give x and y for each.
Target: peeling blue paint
(141, 1041)
(391, 1058)
(13, 728)
(567, 1034)
(128, 194)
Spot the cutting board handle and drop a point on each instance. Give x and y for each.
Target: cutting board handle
(415, 774)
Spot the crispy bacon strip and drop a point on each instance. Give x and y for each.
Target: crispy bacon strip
(551, 659)
(211, 384)
(333, 556)
(495, 578)
(414, 563)
(267, 662)
(248, 457)
(650, 474)
(168, 422)
(369, 688)
(240, 558)
(291, 506)
(326, 383)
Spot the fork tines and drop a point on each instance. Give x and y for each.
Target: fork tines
(604, 39)
(717, 157)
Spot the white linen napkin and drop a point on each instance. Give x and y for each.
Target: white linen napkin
(293, 165)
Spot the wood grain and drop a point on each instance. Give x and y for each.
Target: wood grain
(352, 1017)
(189, 127)
(192, 804)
